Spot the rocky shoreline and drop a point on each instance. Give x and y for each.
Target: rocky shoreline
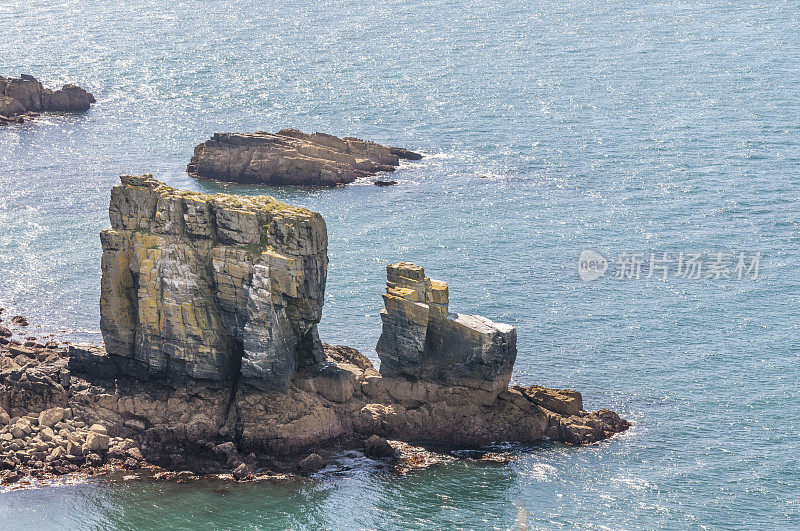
(25, 98)
(212, 363)
(291, 157)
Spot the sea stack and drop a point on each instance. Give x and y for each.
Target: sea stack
(291, 157)
(211, 287)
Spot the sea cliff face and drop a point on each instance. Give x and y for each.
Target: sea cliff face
(211, 287)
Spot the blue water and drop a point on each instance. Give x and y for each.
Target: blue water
(549, 128)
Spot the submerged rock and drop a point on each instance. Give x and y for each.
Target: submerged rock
(25, 95)
(292, 157)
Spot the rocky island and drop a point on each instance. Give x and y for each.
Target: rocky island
(212, 362)
(25, 97)
(293, 157)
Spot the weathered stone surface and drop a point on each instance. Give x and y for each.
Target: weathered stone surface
(210, 287)
(564, 401)
(422, 341)
(292, 157)
(26, 95)
(50, 417)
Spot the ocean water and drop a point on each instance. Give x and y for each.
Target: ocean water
(549, 128)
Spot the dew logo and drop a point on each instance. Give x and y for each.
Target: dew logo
(591, 265)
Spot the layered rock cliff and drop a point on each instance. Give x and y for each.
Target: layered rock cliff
(292, 157)
(422, 340)
(210, 287)
(26, 95)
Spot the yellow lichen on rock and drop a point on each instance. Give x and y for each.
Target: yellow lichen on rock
(195, 285)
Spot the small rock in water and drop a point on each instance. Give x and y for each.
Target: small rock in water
(241, 472)
(377, 446)
(312, 463)
(385, 183)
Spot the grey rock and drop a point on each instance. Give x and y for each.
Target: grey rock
(422, 340)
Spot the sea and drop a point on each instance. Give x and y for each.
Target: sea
(618, 180)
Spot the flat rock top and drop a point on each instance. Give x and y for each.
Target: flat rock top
(246, 203)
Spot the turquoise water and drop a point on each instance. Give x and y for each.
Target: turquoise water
(549, 129)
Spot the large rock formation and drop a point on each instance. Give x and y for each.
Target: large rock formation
(210, 287)
(422, 340)
(292, 157)
(25, 95)
(209, 312)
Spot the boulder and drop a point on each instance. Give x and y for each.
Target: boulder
(96, 441)
(292, 157)
(421, 340)
(49, 417)
(310, 464)
(241, 472)
(378, 447)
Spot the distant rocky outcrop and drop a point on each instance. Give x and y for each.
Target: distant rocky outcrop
(26, 97)
(211, 287)
(292, 157)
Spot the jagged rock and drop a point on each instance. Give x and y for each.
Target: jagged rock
(241, 472)
(26, 96)
(292, 157)
(564, 401)
(422, 341)
(377, 446)
(210, 287)
(312, 463)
